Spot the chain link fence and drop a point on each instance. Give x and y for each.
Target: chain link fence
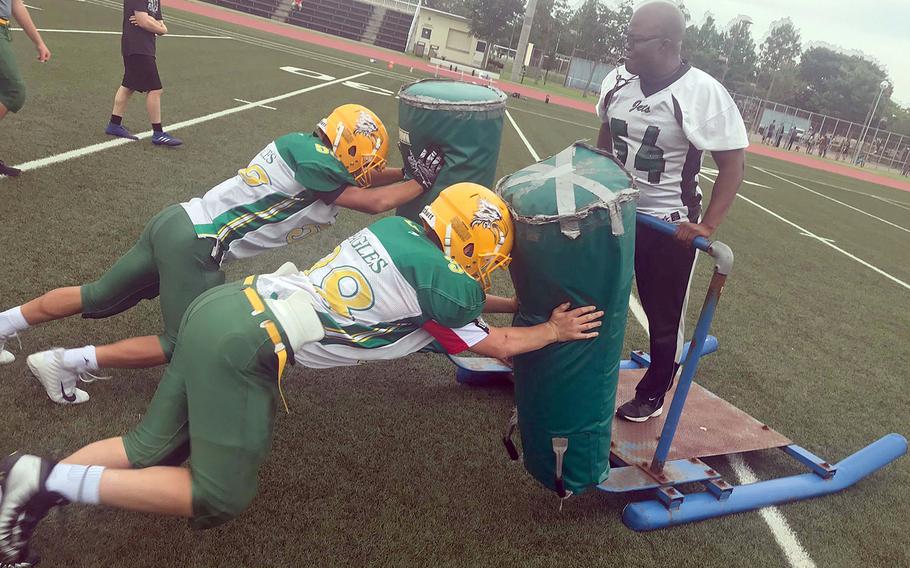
(825, 135)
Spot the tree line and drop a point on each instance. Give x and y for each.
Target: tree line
(780, 68)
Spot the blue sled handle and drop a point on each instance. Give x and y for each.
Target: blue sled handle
(722, 254)
(669, 229)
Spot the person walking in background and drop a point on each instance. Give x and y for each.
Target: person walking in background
(779, 136)
(12, 88)
(810, 143)
(142, 24)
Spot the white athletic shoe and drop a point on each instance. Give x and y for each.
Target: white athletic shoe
(5, 356)
(58, 381)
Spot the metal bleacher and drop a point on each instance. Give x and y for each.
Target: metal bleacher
(385, 23)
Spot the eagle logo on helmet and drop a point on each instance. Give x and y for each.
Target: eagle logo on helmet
(365, 124)
(488, 217)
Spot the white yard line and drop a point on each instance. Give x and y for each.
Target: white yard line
(827, 242)
(820, 194)
(901, 204)
(522, 136)
(784, 536)
(30, 7)
(252, 103)
(786, 539)
(108, 32)
(86, 150)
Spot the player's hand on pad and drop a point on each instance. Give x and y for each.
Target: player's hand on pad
(424, 168)
(568, 324)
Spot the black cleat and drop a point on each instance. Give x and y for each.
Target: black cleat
(9, 170)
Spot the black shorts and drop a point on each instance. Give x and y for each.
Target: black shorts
(140, 73)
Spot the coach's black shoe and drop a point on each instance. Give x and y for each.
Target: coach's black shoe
(640, 409)
(24, 503)
(8, 170)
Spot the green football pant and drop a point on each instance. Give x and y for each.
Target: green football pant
(168, 260)
(12, 88)
(216, 401)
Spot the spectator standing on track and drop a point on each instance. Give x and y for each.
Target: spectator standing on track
(810, 143)
(779, 136)
(845, 148)
(658, 116)
(823, 146)
(769, 133)
(791, 138)
(142, 24)
(12, 88)
(905, 169)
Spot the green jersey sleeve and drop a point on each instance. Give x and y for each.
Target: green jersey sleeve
(315, 166)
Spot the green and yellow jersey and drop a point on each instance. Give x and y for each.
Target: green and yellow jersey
(383, 293)
(285, 193)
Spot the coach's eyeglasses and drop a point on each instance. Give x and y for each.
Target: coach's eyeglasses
(632, 40)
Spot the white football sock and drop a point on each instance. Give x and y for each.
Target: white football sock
(78, 483)
(81, 359)
(12, 321)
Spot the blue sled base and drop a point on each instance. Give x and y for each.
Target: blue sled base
(823, 480)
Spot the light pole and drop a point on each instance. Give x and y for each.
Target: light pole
(859, 146)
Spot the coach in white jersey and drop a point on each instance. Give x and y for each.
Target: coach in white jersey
(294, 187)
(659, 115)
(389, 290)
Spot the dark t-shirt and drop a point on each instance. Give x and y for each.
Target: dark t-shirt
(136, 40)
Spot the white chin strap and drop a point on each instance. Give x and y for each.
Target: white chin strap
(447, 242)
(338, 132)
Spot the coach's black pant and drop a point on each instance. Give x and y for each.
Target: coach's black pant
(663, 268)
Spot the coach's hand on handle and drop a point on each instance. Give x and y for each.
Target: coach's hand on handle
(687, 232)
(568, 325)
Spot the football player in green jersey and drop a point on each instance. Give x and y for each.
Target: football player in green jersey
(294, 187)
(387, 291)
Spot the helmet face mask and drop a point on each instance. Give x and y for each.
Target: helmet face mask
(358, 139)
(474, 227)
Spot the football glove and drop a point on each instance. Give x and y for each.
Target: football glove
(424, 168)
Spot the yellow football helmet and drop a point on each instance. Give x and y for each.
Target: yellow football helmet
(359, 140)
(474, 227)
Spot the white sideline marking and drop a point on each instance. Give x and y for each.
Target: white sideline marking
(30, 7)
(249, 103)
(847, 205)
(86, 150)
(106, 32)
(900, 204)
(522, 136)
(807, 233)
(819, 238)
(783, 534)
(786, 539)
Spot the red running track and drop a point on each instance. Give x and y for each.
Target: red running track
(369, 51)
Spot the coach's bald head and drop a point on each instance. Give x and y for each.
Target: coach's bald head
(654, 40)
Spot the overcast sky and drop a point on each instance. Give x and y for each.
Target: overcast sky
(878, 28)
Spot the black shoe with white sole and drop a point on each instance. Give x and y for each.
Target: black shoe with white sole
(640, 409)
(24, 503)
